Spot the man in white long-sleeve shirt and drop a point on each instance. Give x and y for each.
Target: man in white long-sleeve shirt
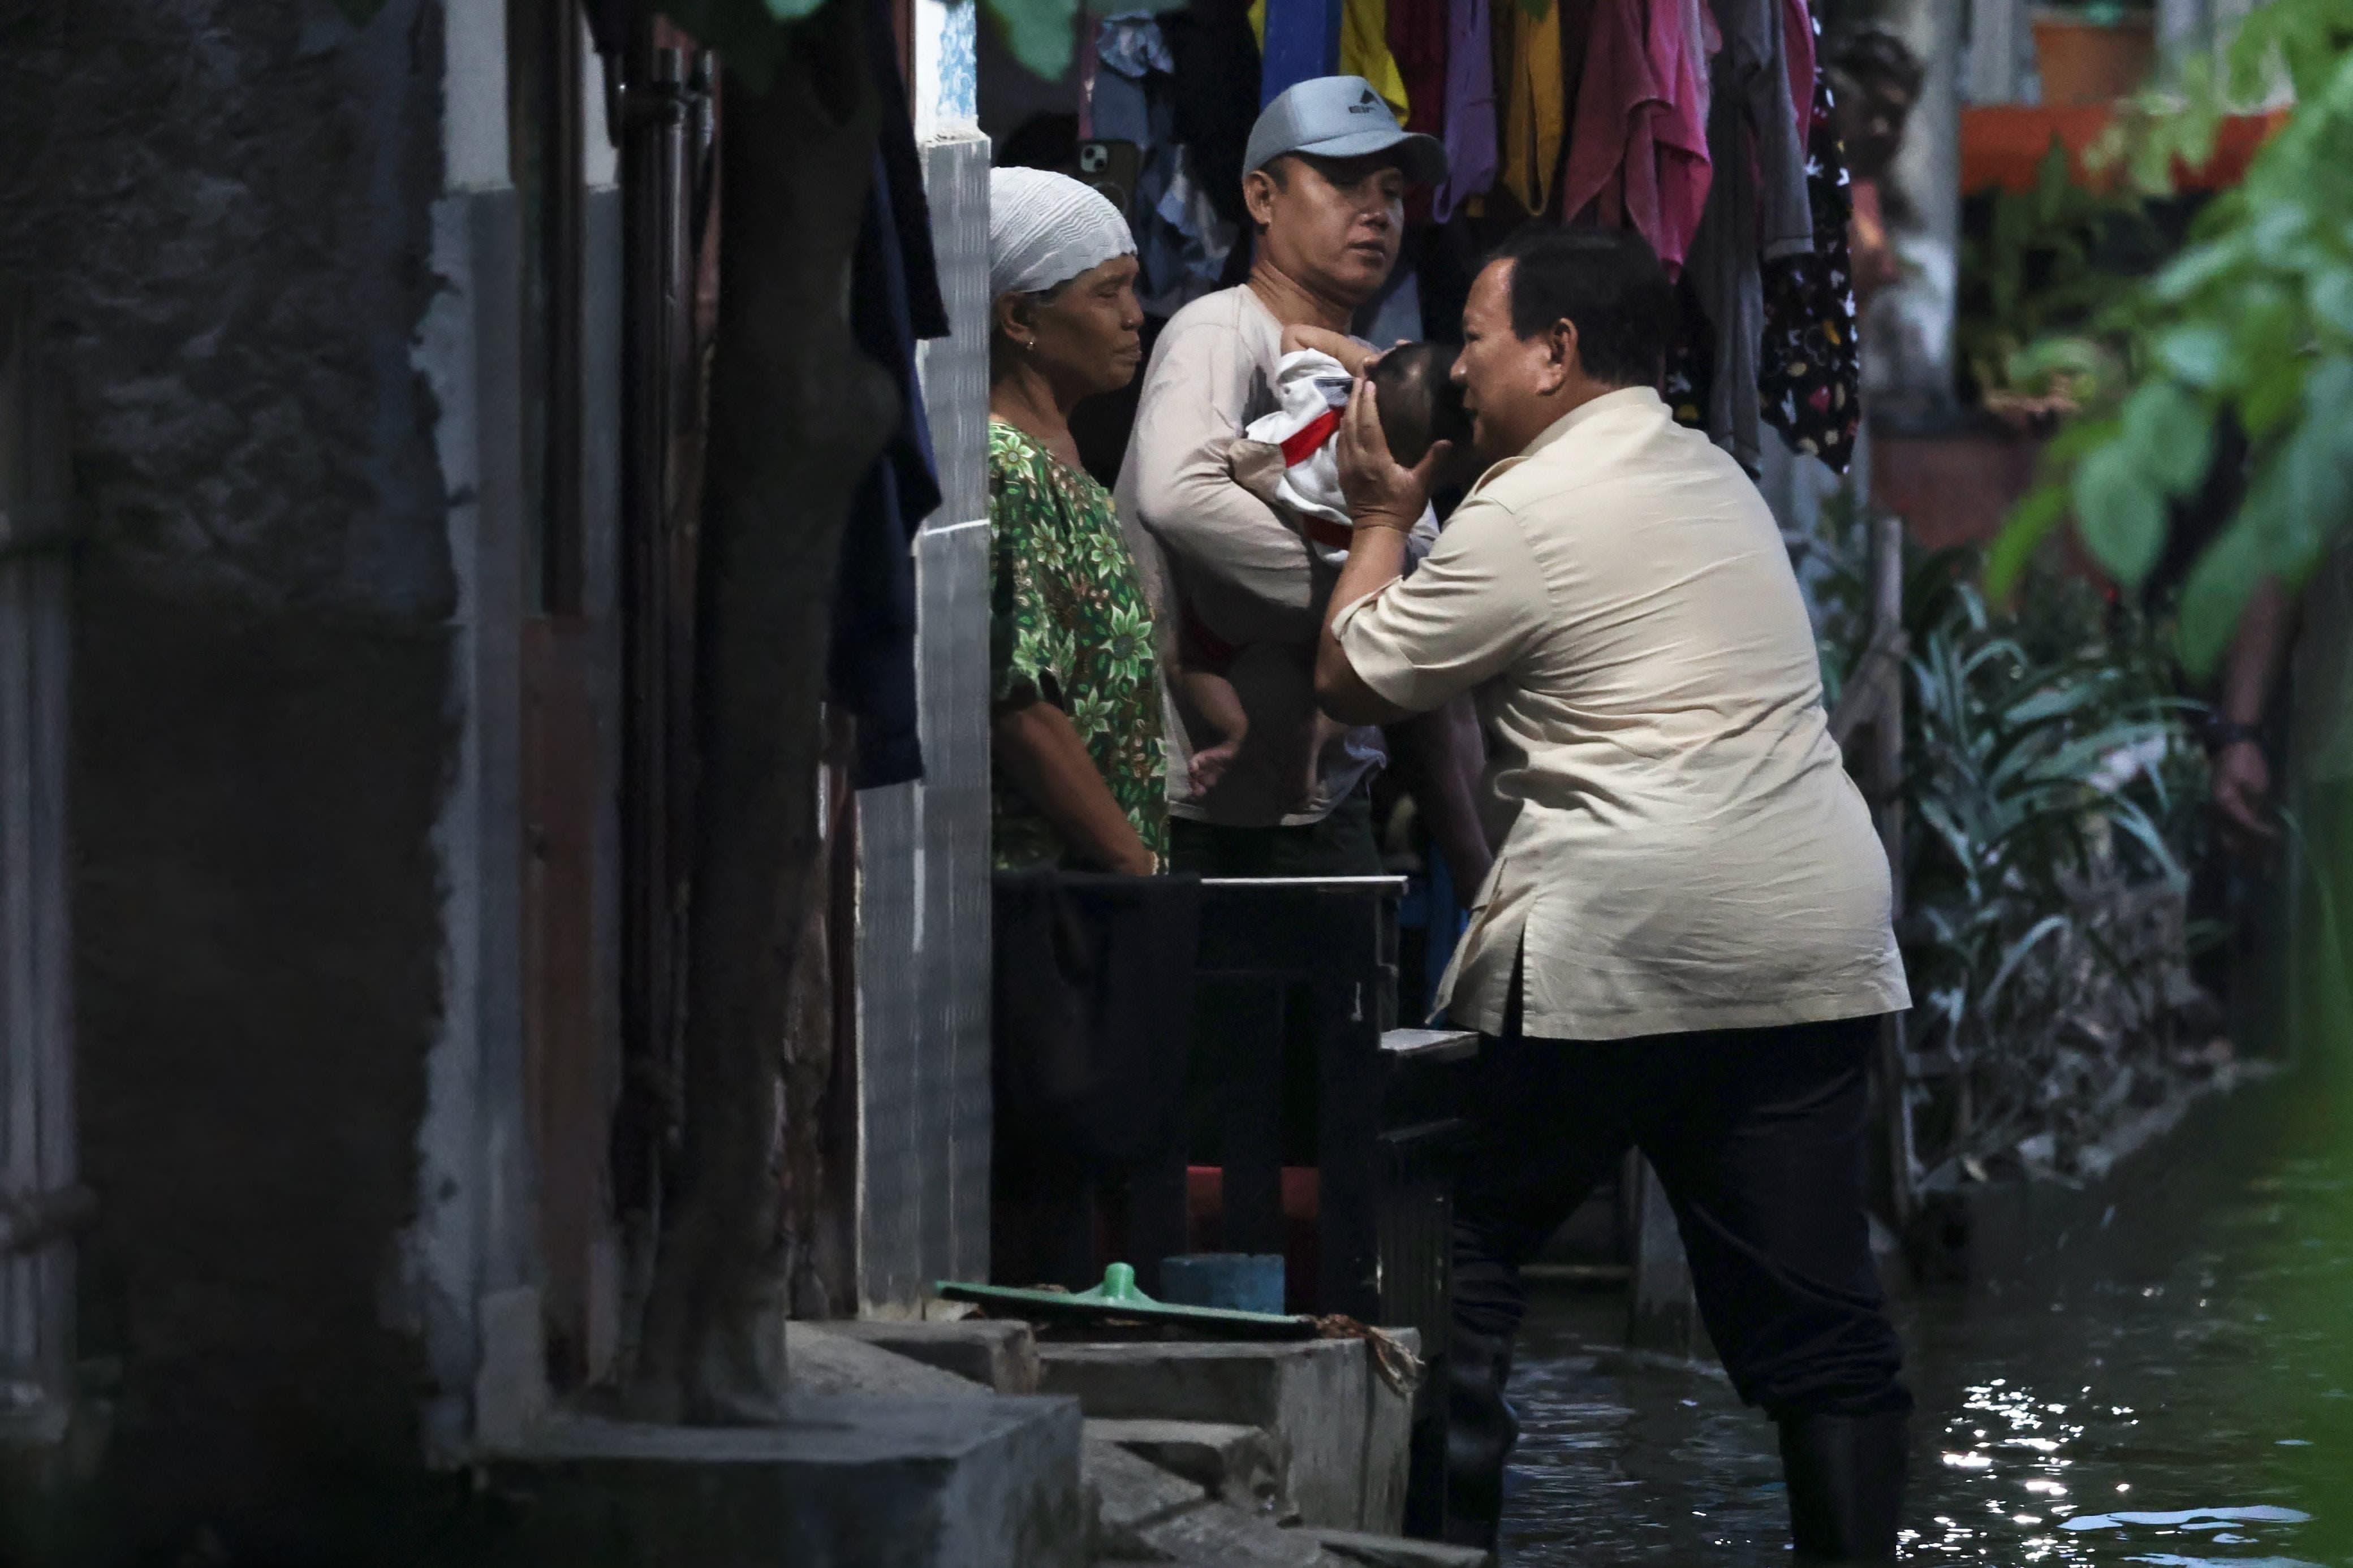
(1328, 167)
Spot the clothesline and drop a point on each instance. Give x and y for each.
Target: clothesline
(1703, 124)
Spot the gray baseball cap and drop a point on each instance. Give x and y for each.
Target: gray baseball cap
(1340, 117)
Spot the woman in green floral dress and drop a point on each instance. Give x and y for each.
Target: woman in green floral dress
(1079, 776)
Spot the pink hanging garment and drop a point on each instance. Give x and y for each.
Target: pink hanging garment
(1638, 153)
(1611, 132)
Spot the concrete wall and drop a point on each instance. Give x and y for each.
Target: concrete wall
(230, 214)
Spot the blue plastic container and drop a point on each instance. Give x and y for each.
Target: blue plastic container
(1238, 1281)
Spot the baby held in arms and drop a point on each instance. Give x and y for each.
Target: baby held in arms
(1287, 459)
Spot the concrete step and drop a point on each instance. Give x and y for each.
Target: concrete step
(1242, 1467)
(998, 1355)
(1344, 1433)
(1130, 1508)
(841, 1483)
(1361, 1550)
(823, 1359)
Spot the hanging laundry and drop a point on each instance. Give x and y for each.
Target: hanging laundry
(1181, 240)
(1185, 208)
(1089, 67)
(1470, 106)
(1690, 378)
(1800, 35)
(1810, 373)
(1364, 48)
(1758, 209)
(1755, 52)
(1364, 52)
(1417, 35)
(1724, 275)
(1528, 65)
(1638, 156)
(1217, 95)
(894, 300)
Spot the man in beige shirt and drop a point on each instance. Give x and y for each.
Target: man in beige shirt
(1685, 942)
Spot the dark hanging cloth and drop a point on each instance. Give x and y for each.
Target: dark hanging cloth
(1417, 40)
(1093, 1014)
(909, 215)
(1809, 373)
(1217, 80)
(894, 300)
(1690, 384)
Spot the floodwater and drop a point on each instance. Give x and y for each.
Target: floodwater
(2176, 1388)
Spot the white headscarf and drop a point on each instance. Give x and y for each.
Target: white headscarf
(1045, 229)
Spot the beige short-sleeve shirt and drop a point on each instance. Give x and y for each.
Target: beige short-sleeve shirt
(1686, 851)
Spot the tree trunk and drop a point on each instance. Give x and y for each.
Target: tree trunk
(798, 413)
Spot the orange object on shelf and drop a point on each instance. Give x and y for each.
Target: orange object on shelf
(2002, 144)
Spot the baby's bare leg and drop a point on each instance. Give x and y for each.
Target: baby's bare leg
(1211, 702)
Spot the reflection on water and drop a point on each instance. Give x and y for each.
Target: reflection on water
(2173, 1392)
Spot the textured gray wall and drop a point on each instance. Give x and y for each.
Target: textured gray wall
(223, 208)
(923, 972)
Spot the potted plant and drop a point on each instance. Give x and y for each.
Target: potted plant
(2095, 51)
(2035, 264)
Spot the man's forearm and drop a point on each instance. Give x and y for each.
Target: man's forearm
(1218, 531)
(2258, 654)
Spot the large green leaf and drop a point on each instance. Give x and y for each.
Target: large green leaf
(2173, 435)
(2033, 519)
(1041, 34)
(2198, 352)
(2216, 593)
(2120, 512)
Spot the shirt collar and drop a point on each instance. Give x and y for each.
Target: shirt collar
(1625, 397)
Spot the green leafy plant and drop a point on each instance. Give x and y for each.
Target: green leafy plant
(2049, 257)
(2254, 318)
(2012, 769)
(2102, 13)
(2051, 799)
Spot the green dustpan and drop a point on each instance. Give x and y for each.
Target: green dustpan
(1117, 1298)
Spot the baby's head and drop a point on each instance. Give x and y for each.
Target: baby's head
(1419, 403)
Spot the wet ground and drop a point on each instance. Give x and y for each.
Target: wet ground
(2175, 1389)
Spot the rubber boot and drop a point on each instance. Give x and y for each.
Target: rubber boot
(1846, 1485)
(1480, 1432)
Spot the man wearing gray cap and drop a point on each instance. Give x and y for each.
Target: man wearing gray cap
(1326, 172)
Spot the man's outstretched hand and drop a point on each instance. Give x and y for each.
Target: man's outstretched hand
(1381, 492)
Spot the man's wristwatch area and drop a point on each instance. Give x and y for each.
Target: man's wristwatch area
(2220, 734)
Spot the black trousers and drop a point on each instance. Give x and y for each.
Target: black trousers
(1757, 1139)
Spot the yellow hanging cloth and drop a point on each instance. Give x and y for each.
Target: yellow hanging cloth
(1363, 48)
(1528, 81)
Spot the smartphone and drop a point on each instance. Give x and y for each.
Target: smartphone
(1111, 167)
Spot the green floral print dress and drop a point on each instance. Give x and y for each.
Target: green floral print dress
(1068, 625)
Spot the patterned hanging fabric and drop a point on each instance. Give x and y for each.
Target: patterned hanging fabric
(1809, 371)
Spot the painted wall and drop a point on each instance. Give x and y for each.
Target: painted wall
(229, 213)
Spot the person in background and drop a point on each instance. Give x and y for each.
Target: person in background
(1325, 176)
(1687, 945)
(2301, 641)
(1080, 774)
